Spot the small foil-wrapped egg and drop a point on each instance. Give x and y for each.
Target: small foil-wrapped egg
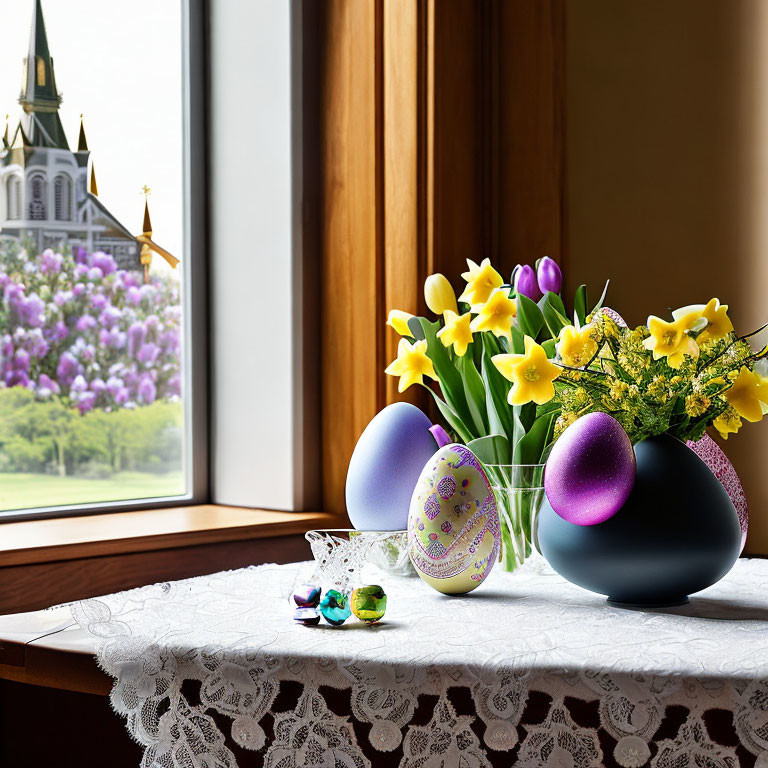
(335, 607)
(307, 615)
(307, 596)
(369, 603)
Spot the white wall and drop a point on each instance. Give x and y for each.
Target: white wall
(257, 424)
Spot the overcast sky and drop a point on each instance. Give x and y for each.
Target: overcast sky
(119, 63)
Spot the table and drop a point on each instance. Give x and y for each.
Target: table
(527, 670)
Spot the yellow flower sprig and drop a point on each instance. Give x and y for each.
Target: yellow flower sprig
(411, 364)
(531, 374)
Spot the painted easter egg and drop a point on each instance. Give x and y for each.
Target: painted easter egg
(453, 525)
(591, 470)
(385, 466)
(712, 455)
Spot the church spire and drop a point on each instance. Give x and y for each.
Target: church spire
(93, 188)
(39, 97)
(82, 144)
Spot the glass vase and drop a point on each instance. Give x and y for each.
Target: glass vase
(519, 491)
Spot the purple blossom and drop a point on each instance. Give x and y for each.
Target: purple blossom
(50, 262)
(95, 274)
(81, 270)
(81, 255)
(549, 276)
(78, 289)
(99, 301)
(136, 334)
(85, 323)
(21, 360)
(60, 331)
(67, 369)
(104, 262)
(147, 390)
(148, 353)
(63, 297)
(525, 282)
(98, 387)
(46, 386)
(86, 402)
(110, 316)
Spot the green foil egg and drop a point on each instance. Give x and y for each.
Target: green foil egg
(335, 607)
(369, 603)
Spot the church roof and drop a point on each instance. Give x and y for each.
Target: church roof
(39, 97)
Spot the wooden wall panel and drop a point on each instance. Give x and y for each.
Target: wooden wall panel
(441, 140)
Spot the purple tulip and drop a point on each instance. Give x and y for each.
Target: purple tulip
(525, 282)
(549, 275)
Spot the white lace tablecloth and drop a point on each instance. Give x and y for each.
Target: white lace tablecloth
(527, 670)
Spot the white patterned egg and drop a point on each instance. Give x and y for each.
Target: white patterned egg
(453, 525)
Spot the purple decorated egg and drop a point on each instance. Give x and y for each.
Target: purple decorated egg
(385, 466)
(712, 455)
(591, 470)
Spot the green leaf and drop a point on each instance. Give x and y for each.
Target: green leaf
(529, 316)
(549, 347)
(454, 421)
(518, 341)
(492, 449)
(553, 311)
(580, 304)
(414, 325)
(474, 391)
(496, 391)
(451, 381)
(530, 448)
(602, 298)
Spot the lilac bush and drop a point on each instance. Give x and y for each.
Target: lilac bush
(75, 327)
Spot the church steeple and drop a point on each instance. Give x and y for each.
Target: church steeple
(82, 144)
(39, 97)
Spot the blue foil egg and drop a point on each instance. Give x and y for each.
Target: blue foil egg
(335, 607)
(307, 616)
(385, 466)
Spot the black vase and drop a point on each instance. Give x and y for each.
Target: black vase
(676, 534)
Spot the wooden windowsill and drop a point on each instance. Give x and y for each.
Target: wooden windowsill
(70, 538)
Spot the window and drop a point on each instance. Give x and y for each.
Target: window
(37, 197)
(97, 403)
(62, 187)
(13, 197)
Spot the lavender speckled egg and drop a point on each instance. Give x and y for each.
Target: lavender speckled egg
(591, 470)
(385, 466)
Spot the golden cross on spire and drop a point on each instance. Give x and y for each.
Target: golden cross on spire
(146, 191)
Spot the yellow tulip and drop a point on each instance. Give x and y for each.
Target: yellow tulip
(576, 347)
(495, 315)
(439, 294)
(456, 332)
(531, 374)
(728, 422)
(481, 279)
(671, 340)
(748, 394)
(411, 365)
(398, 319)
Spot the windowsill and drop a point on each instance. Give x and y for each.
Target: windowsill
(70, 538)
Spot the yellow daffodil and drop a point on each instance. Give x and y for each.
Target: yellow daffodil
(713, 317)
(576, 347)
(398, 320)
(439, 294)
(495, 315)
(481, 279)
(671, 340)
(727, 423)
(531, 374)
(748, 395)
(456, 332)
(411, 365)
(719, 324)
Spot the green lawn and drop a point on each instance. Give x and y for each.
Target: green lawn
(22, 491)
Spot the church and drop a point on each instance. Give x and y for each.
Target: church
(45, 195)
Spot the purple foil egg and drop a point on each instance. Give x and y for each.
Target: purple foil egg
(591, 470)
(307, 596)
(308, 617)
